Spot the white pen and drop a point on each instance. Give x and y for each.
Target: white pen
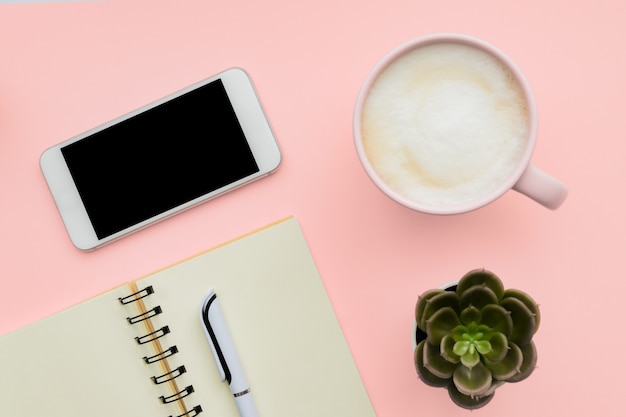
(225, 355)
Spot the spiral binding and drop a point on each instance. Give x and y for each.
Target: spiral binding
(137, 295)
(191, 413)
(145, 316)
(178, 396)
(151, 337)
(172, 350)
(169, 376)
(161, 355)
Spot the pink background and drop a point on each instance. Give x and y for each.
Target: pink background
(66, 67)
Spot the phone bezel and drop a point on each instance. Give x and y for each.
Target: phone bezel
(253, 121)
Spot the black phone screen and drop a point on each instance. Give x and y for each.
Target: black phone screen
(159, 159)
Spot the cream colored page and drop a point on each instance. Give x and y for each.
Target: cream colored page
(83, 361)
(287, 336)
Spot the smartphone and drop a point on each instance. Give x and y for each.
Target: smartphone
(160, 159)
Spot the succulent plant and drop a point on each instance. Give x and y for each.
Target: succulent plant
(474, 337)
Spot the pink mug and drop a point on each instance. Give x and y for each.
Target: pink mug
(417, 95)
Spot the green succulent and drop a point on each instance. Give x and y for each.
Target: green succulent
(475, 337)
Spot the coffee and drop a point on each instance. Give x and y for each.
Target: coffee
(445, 124)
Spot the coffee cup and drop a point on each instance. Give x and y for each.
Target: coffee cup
(447, 123)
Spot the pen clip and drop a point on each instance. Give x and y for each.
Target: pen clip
(212, 313)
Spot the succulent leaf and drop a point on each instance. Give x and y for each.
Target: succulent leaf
(499, 347)
(529, 352)
(459, 332)
(524, 321)
(497, 318)
(474, 381)
(466, 401)
(481, 277)
(424, 374)
(494, 384)
(422, 300)
(447, 349)
(436, 363)
(460, 348)
(481, 329)
(470, 315)
(477, 296)
(508, 366)
(483, 346)
(439, 301)
(470, 358)
(528, 302)
(440, 324)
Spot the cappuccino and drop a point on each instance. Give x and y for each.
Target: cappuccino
(445, 124)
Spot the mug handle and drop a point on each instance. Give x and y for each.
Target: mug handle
(541, 187)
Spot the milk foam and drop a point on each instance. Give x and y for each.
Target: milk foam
(445, 124)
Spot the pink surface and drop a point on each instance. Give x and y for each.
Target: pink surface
(66, 67)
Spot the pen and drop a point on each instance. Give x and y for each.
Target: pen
(225, 355)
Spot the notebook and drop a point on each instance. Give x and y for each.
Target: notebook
(113, 354)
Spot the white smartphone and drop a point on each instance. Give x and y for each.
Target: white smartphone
(156, 161)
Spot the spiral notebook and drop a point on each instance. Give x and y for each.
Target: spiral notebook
(139, 350)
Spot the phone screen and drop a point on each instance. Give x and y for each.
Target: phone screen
(159, 159)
